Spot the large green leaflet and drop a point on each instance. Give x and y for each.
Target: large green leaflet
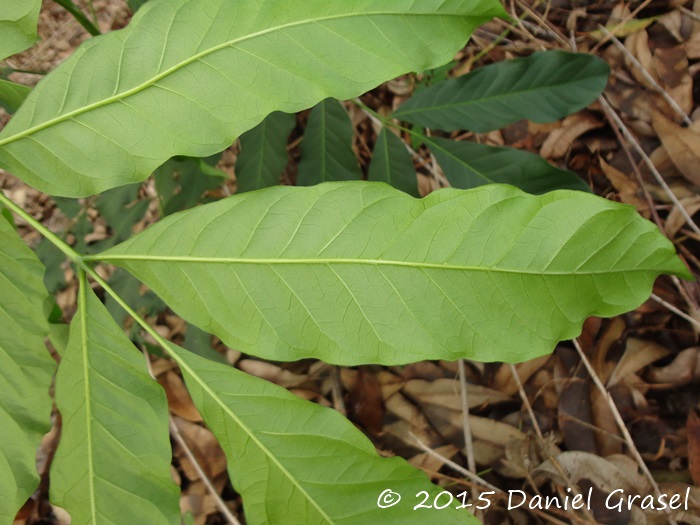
(187, 77)
(264, 152)
(298, 463)
(12, 95)
(469, 164)
(359, 272)
(326, 151)
(26, 369)
(18, 20)
(112, 465)
(543, 87)
(391, 163)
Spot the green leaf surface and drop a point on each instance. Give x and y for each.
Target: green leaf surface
(359, 272)
(18, 20)
(326, 151)
(391, 163)
(182, 183)
(26, 369)
(12, 95)
(187, 77)
(263, 154)
(543, 87)
(298, 463)
(469, 164)
(112, 465)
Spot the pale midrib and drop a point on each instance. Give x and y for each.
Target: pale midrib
(230, 43)
(327, 262)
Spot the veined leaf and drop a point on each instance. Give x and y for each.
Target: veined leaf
(543, 87)
(18, 20)
(326, 151)
(298, 463)
(182, 183)
(359, 272)
(264, 152)
(26, 369)
(391, 163)
(187, 77)
(112, 465)
(468, 165)
(12, 95)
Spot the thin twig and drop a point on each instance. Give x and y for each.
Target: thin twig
(635, 144)
(647, 76)
(675, 310)
(526, 401)
(691, 14)
(620, 422)
(620, 25)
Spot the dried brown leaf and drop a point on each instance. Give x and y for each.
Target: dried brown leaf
(179, 399)
(682, 145)
(693, 428)
(561, 139)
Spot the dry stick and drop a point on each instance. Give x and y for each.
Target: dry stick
(620, 423)
(647, 76)
(544, 23)
(691, 14)
(526, 401)
(621, 24)
(676, 311)
(466, 424)
(175, 433)
(628, 135)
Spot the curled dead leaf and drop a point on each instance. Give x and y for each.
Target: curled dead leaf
(682, 145)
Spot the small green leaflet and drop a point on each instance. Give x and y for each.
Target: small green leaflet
(359, 272)
(12, 95)
(326, 151)
(543, 87)
(391, 163)
(297, 463)
(112, 465)
(26, 370)
(18, 20)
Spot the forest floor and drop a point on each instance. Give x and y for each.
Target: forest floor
(538, 426)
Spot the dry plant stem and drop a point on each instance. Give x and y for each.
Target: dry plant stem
(177, 435)
(544, 23)
(466, 426)
(337, 389)
(620, 25)
(526, 401)
(647, 76)
(691, 14)
(628, 135)
(619, 421)
(676, 311)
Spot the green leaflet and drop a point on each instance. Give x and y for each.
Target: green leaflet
(12, 95)
(182, 183)
(359, 272)
(18, 21)
(26, 369)
(264, 152)
(543, 87)
(298, 463)
(326, 151)
(391, 163)
(112, 465)
(469, 164)
(189, 76)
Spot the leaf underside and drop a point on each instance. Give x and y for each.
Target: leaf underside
(297, 463)
(469, 165)
(112, 465)
(18, 21)
(26, 369)
(358, 272)
(187, 77)
(543, 87)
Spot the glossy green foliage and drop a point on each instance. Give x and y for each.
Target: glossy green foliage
(263, 154)
(26, 371)
(298, 463)
(189, 76)
(12, 95)
(543, 87)
(112, 465)
(326, 152)
(391, 163)
(470, 164)
(355, 273)
(18, 20)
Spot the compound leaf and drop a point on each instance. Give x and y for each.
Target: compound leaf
(187, 77)
(359, 272)
(26, 369)
(18, 20)
(112, 465)
(12, 95)
(264, 152)
(391, 163)
(326, 151)
(543, 87)
(298, 463)
(468, 165)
